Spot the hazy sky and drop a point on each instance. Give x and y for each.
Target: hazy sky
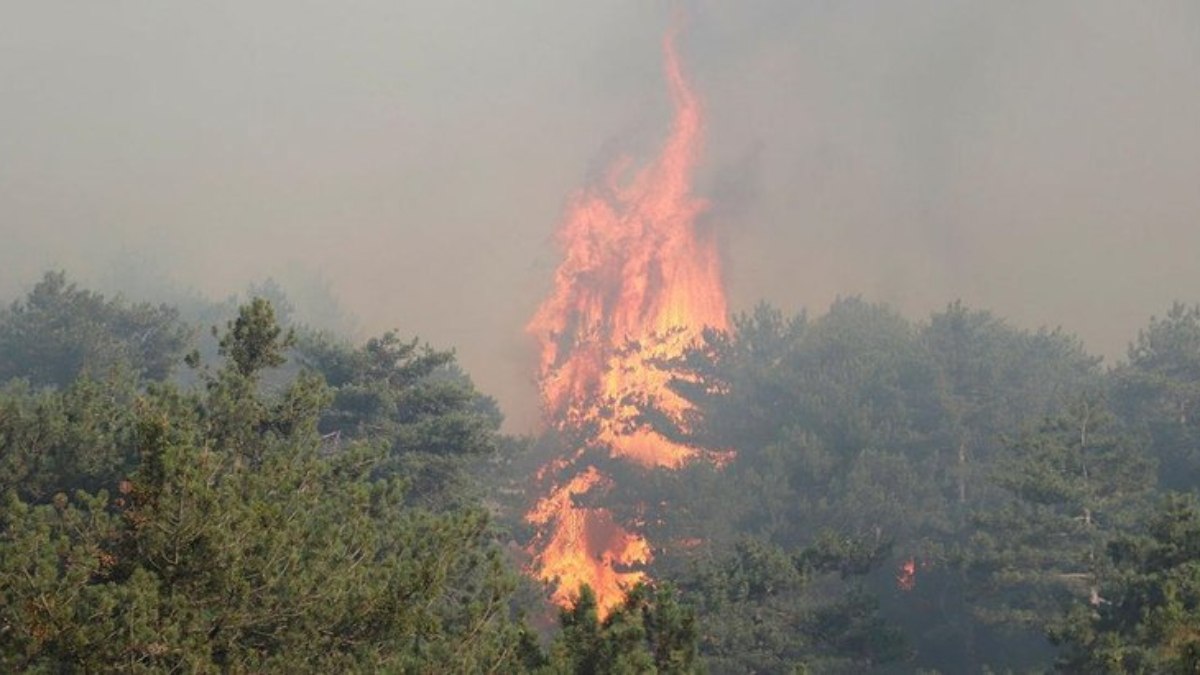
(1037, 159)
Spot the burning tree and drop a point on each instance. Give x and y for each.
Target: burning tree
(637, 284)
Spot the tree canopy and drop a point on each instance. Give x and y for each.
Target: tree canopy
(60, 331)
(948, 495)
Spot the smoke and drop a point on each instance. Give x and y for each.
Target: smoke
(1032, 159)
(1037, 159)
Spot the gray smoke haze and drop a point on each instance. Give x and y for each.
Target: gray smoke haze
(1037, 159)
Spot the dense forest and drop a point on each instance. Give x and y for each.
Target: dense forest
(215, 487)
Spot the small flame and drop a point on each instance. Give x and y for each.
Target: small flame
(636, 287)
(906, 576)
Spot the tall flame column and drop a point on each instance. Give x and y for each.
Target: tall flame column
(636, 285)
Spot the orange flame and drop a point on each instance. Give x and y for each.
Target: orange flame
(906, 575)
(636, 286)
(586, 545)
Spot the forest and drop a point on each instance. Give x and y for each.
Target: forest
(216, 487)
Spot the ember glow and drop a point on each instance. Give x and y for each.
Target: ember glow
(906, 576)
(636, 286)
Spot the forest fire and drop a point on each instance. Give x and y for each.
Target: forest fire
(636, 286)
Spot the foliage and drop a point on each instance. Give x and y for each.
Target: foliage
(1146, 617)
(78, 437)
(60, 331)
(649, 633)
(992, 381)
(1073, 483)
(414, 401)
(883, 431)
(762, 609)
(254, 340)
(899, 496)
(236, 544)
(1158, 392)
(399, 390)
